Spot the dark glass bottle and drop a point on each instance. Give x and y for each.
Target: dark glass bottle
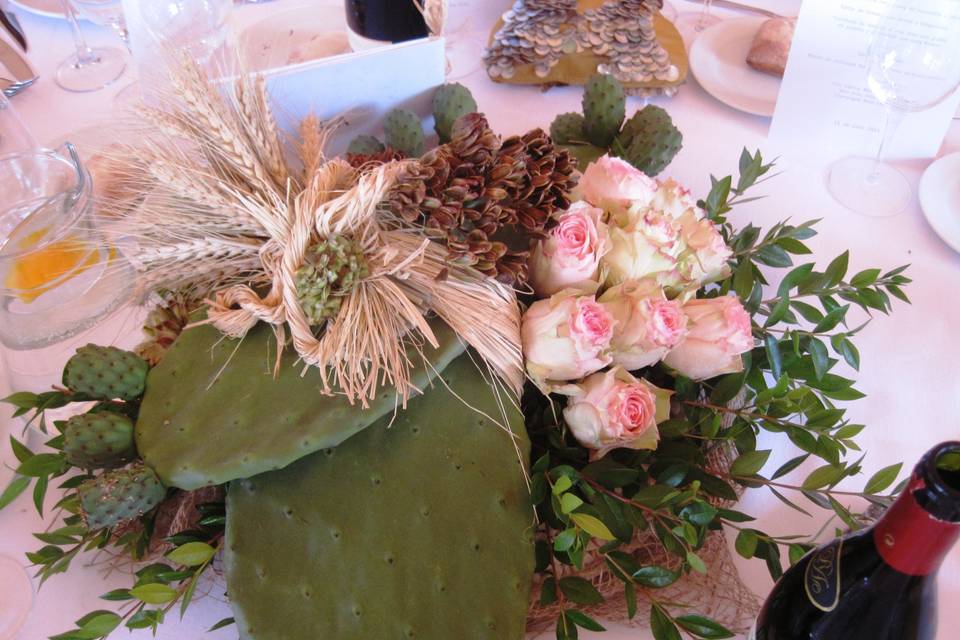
(386, 20)
(880, 583)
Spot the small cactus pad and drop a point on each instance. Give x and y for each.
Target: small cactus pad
(119, 495)
(99, 440)
(419, 529)
(649, 140)
(214, 412)
(404, 132)
(449, 103)
(364, 146)
(604, 107)
(105, 373)
(567, 128)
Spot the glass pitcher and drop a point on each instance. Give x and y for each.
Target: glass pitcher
(60, 272)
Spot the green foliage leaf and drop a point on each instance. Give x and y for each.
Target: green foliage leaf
(750, 463)
(226, 622)
(192, 554)
(154, 593)
(661, 626)
(569, 503)
(703, 627)
(579, 590)
(699, 513)
(746, 543)
(593, 526)
(883, 478)
(865, 278)
(564, 540)
(98, 624)
(696, 563)
(820, 477)
(562, 484)
(821, 359)
(837, 269)
(583, 620)
(15, 488)
(655, 577)
(548, 592)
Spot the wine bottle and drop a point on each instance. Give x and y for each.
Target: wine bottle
(879, 583)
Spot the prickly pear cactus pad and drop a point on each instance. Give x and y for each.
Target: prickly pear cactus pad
(419, 529)
(204, 423)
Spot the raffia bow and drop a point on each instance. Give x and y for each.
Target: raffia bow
(225, 189)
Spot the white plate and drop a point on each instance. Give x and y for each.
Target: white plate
(939, 194)
(298, 35)
(718, 59)
(47, 8)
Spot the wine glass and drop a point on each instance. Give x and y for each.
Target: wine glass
(88, 69)
(106, 13)
(909, 69)
(14, 136)
(197, 27)
(691, 23)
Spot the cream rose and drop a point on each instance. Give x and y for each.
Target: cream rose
(647, 247)
(615, 185)
(675, 200)
(565, 338)
(613, 409)
(718, 332)
(706, 255)
(647, 324)
(569, 258)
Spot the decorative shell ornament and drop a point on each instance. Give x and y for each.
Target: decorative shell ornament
(567, 41)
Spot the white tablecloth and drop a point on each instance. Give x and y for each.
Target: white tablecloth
(909, 363)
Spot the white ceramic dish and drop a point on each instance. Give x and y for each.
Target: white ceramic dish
(298, 35)
(46, 8)
(939, 195)
(718, 60)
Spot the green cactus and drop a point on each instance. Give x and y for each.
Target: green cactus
(604, 107)
(649, 140)
(449, 103)
(119, 495)
(364, 146)
(106, 373)
(418, 527)
(205, 423)
(568, 128)
(99, 440)
(404, 132)
(128, 409)
(331, 269)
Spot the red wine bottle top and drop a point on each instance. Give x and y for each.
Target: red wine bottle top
(924, 523)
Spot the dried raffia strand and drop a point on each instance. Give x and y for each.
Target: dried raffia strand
(218, 219)
(434, 14)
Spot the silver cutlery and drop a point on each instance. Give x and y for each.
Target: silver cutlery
(11, 88)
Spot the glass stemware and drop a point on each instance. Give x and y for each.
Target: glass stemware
(88, 69)
(196, 27)
(14, 136)
(908, 70)
(691, 23)
(106, 13)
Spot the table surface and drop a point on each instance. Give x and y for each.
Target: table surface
(909, 360)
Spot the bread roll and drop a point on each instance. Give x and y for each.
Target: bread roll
(771, 46)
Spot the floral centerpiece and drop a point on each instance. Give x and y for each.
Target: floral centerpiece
(345, 409)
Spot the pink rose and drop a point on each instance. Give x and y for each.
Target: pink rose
(615, 185)
(719, 331)
(707, 255)
(647, 324)
(565, 338)
(569, 258)
(612, 409)
(647, 246)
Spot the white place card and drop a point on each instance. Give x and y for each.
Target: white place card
(825, 109)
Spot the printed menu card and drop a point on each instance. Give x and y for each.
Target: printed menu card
(826, 109)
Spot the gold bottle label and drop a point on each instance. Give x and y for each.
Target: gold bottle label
(822, 577)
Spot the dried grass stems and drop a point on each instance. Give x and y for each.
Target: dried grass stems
(220, 213)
